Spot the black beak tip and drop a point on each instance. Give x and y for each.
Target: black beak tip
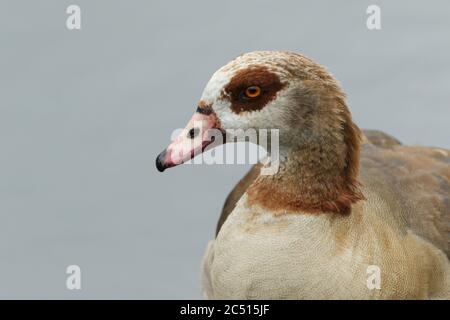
(160, 161)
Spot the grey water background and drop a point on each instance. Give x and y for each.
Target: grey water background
(83, 115)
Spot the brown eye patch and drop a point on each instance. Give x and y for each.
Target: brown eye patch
(244, 82)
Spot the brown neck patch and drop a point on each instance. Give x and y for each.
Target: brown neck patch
(318, 178)
(257, 75)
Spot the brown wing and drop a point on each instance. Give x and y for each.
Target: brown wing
(381, 139)
(415, 182)
(236, 194)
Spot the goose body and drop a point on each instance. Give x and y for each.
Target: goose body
(402, 227)
(343, 205)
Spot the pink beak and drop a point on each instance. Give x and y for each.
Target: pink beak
(198, 134)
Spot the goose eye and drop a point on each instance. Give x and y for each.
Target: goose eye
(252, 92)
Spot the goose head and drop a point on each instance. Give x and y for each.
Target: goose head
(286, 91)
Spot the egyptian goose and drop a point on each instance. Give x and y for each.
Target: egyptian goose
(341, 202)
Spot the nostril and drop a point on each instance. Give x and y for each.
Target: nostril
(193, 132)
